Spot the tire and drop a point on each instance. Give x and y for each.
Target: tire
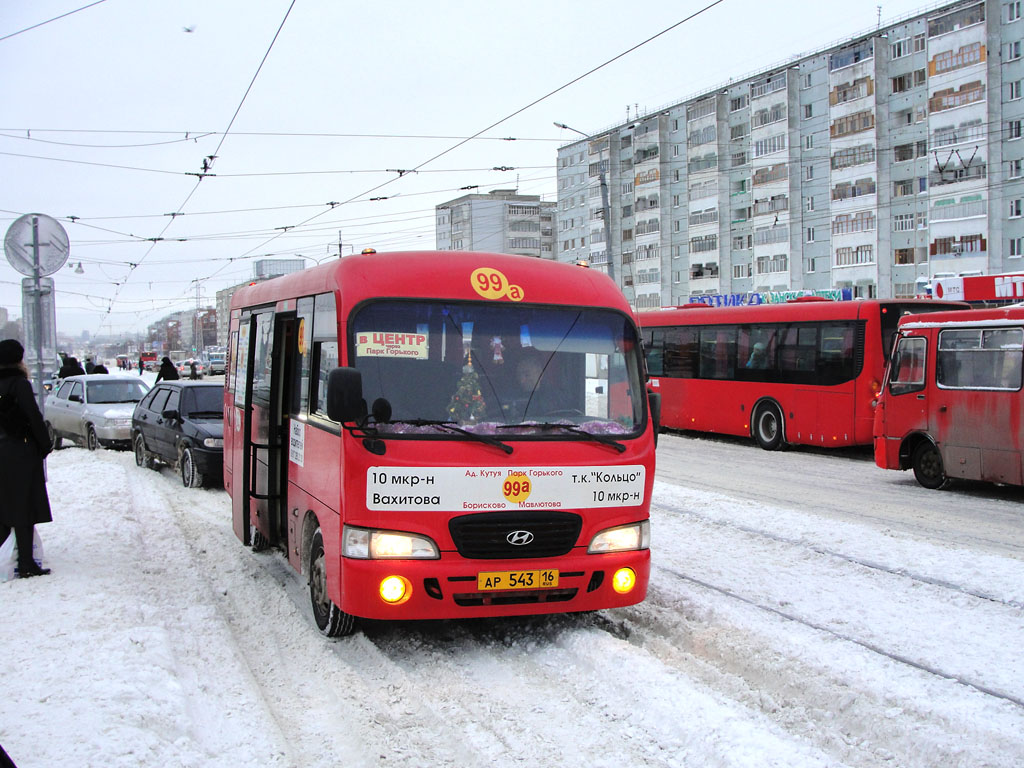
(928, 469)
(768, 427)
(92, 440)
(56, 441)
(329, 618)
(190, 475)
(143, 458)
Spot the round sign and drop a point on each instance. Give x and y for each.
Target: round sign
(49, 240)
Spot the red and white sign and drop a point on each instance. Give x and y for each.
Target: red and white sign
(386, 344)
(978, 288)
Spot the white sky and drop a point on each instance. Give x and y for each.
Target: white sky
(97, 107)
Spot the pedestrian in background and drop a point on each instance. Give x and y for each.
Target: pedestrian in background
(24, 443)
(140, 366)
(71, 367)
(167, 370)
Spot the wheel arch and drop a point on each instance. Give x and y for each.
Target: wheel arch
(910, 443)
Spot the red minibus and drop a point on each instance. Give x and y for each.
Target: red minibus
(432, 435)
(807, 371)
(952, 405)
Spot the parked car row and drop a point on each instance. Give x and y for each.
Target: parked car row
(177, 423)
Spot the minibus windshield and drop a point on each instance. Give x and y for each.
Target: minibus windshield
(513, 370)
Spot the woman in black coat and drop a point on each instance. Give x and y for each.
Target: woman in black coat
(167, 370)
(22, 478)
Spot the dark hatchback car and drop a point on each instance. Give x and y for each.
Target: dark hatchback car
(180, 423)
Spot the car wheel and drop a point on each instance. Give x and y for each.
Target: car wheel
(143, 458)
(190, 476)
(928, 469)
(329, 618)
(768, 431)
(56, 441)
(92, 440)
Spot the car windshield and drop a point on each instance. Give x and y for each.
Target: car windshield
(205, 402)
(115, 391)
(505, 369)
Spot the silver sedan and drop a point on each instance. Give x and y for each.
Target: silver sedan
(93, 410)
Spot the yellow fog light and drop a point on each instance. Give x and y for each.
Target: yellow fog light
(395, 590)
(624, 580)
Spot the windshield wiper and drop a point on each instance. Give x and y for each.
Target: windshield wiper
(452, 426)
(603, 439)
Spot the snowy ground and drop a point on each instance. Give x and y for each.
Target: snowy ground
(828, 614)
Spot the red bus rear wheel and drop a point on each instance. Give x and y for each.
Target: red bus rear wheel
(768, 431)
(329, 618)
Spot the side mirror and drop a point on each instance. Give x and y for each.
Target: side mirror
(75, 398)
(345, 395)
(171, 415)
(654, 403)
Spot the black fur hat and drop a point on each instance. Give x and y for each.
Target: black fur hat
(11, 352)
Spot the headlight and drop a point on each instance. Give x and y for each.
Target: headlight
(624, 538)
(213, 442)
(117, 422)
(367, 544)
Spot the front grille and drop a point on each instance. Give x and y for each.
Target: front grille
(478, 599)
(484, 536)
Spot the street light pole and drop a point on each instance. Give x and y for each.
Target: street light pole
(606, 208)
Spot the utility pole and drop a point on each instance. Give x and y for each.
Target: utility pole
(606, 212)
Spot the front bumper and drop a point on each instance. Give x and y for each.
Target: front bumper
(447, 588)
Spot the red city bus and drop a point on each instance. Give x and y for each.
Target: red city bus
(807, 371)
(442, 435)
(952, 406)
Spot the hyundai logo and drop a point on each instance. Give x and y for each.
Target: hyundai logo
(519, 538)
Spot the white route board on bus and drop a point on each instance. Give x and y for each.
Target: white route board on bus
(459, 489)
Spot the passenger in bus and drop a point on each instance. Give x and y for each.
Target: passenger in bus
(758, 357)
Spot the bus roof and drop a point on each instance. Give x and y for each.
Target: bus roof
(1013, 314)
(783, 312)
(441, 274)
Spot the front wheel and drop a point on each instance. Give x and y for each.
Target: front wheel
(190, 475)
(768, 431)
(928, 469)
(92, 440)
(329, 618)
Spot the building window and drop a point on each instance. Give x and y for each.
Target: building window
(1015, 169)
(810, 234)
(1015, 209)
(809, 110)
(901, 48)
(963, 17)
(1012, 11)
(1016, 246)
(809, 142)
(1013, 50)
(807, 80)
(903, 256)
(738, 103)
(1013, 130)
(1013, 90)
(808, 173)
(903, 222)
(919, 42)
(809, 204)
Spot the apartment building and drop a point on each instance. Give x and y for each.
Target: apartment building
(501, 221)
(872, 166)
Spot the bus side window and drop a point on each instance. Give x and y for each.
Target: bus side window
(325, 354)
(654, 347)
(908, 366)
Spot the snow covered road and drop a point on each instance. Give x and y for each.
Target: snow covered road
(805, 609)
